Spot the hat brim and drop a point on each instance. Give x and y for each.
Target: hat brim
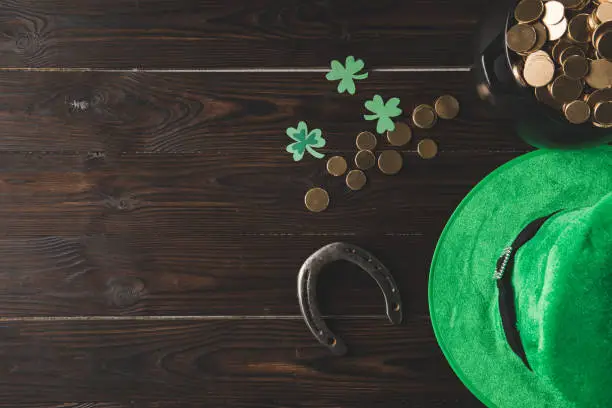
(462, 292)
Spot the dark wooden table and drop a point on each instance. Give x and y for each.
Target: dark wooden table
(152, 225)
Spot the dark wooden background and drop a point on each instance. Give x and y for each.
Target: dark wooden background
(152, 225)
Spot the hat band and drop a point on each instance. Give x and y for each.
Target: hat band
(503, 276)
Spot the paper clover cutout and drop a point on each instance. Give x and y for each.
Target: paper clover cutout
(383, 112)
(305, 141)
(346, 74)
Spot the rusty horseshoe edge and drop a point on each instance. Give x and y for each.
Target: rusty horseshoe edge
(307, 285)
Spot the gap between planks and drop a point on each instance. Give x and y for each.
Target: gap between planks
(174, 318)
(235, 70)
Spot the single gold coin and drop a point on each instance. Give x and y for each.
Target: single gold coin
(541, 36)
(576, 67)
(401, 135)
(537, 55)
(337, 166)
(539, 71)
(599, 32)
(574, 4)
(571, 51)
(356, 180)
(390, 162)
(558, 48)
(554, 12)
(366, 141)
(427, 149)
(603, 44)
(543, 95)
(558, 30)
(577, 112)
(521, 37)
(600, 74)
(365, 159)
(578, 29)
(528, 11)
(424, 117)
(564, 89)
(603, 13)
(517, 71)
(447, 106)
(602, 114)
(600, 95)
(316, 200)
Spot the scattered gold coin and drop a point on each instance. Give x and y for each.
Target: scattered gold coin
(356, 180)
(316, 200)
(427, 149)
(390, 162)
(366, 141)
(365, 159)
(337, 166)
(447, 107)
(424, 117)
(401, 135)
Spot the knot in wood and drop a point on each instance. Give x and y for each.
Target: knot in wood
(126, 291)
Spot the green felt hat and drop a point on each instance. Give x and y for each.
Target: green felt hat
(520, 291)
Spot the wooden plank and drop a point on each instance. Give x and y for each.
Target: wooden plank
(206, 193)
(234, 33)
(225, 113)
(192, 234)
(197, 275)
(244, 363)
(84, 405)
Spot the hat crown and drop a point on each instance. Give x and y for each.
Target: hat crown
(563, 285)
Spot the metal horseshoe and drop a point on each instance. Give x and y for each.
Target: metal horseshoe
(307, 285)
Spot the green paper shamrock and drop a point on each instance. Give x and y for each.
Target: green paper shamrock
(346, 74)
(383, 112)
(305, 141)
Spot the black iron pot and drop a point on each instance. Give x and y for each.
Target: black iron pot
(538, 124)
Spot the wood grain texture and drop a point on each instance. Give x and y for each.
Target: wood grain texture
(131, 404)
(228, 114)
(235, 33)
(191, 235)
(226, 363)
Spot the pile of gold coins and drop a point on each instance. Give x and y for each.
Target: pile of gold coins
(564, 51)
(389, 162)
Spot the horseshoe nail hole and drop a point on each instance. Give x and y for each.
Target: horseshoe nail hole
(331, 342)
(395, 307)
